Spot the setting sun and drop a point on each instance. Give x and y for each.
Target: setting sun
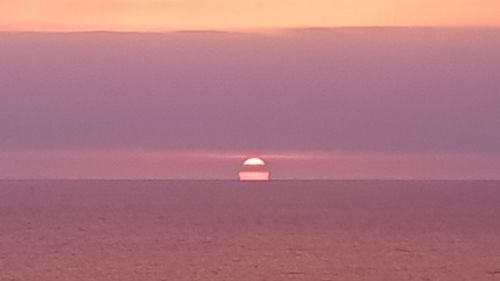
(254, 169)
(254, 162)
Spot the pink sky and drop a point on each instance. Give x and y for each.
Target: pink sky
(366, 102)
(225, 164)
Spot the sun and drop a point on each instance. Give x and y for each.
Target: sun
(254, 162)
(254, 169)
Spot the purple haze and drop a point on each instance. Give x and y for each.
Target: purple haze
(373, 89)
(396, 90)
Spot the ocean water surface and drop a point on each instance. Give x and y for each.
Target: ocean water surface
(228, 230)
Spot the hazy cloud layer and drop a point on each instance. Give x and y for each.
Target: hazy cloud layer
(358, 89)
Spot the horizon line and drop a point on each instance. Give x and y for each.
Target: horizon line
(236, 179)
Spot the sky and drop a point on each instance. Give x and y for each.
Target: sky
(168, 15)
(398, 89)
(315, 103)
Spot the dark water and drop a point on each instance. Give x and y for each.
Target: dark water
(222, 230)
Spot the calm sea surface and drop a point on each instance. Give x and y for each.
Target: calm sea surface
(224, 230)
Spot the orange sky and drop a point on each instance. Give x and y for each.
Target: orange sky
(160, 15)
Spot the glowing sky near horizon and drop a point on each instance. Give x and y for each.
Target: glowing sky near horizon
(225, 164)
(155, 15)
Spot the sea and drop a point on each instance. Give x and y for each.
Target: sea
(228, 230)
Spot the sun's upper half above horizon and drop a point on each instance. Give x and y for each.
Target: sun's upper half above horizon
(254, 161)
